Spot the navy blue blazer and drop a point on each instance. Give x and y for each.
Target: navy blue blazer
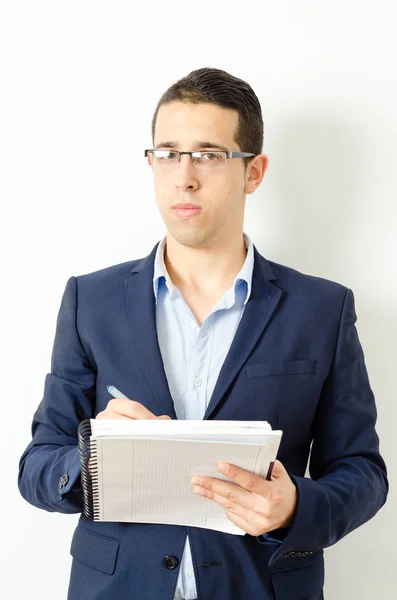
(295, 361)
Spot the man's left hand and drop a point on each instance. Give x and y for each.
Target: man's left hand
(251, 502)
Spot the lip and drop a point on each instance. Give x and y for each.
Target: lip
(185, 206)
(186, 210)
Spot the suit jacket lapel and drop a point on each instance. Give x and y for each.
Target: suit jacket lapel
(142, 321)
(261, 305)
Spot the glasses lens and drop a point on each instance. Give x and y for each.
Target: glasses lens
(209, 160)
(165, 158)
(201, 160)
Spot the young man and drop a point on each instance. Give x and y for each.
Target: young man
(206, 328)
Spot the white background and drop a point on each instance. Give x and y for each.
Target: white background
(79, 82)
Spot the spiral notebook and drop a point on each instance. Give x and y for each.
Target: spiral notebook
(140, 469)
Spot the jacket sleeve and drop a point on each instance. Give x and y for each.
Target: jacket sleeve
(348, 481)
(49, 469)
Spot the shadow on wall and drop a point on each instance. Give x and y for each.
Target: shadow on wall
(316, 169)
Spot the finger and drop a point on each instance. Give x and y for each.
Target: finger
(107, 414)
(164, 417)
(278, 470)
(230, 494)
(247, 480)
(243, 524)
(250, 521)
(238, 520)
(129, 408)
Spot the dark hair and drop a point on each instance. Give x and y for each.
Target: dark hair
(219, 87)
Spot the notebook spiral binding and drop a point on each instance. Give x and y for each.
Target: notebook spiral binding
(89, 476)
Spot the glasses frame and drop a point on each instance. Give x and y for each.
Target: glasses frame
(228, 154)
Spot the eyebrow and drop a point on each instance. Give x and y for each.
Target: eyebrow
(196, 143)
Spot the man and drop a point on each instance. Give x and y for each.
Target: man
(205, 327)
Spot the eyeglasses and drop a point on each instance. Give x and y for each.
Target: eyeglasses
(201, 160)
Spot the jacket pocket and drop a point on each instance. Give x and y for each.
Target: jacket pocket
(95, 550)
(282, 367)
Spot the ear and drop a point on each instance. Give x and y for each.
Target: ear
(255, 173)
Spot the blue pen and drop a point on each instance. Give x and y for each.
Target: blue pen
(116, 393)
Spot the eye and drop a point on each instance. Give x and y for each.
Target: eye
(165, 154)
(211, 156)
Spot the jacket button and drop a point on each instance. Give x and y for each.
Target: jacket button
(170, 562)
(62, 481)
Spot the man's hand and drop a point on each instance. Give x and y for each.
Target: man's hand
(127, 409)
(251, 502)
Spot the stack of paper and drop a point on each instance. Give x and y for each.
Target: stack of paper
(142, 468)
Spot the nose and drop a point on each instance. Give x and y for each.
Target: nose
(185, 173)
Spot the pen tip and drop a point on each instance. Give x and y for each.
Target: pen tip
(108, 386)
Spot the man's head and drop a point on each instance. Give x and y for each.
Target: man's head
(209, 110)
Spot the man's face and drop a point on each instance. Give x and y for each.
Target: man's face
(220, 193)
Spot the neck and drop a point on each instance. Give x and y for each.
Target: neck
(206, 269)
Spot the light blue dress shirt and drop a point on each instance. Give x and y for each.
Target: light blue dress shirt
(193, 357)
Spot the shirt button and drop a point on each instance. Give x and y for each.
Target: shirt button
(193, 324)
(197, 382)
(190, 572)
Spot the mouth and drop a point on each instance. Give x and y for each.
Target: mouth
(185, 211)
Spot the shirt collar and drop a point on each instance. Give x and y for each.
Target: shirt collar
(161, 273)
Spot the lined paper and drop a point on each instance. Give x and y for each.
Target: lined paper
(147, 480)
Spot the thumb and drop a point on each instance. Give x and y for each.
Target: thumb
(278, 470)
(164, 417)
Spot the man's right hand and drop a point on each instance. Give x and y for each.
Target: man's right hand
(127, 409)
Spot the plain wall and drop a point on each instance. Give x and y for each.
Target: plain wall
(79, 82)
